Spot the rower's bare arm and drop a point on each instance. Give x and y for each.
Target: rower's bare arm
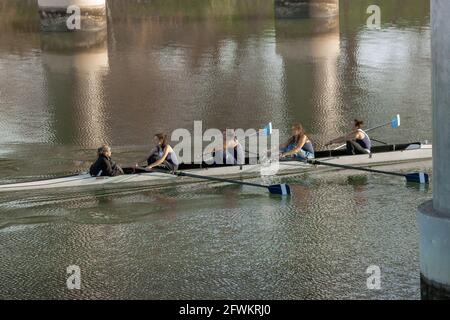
(297, 149)
(359, 135)
(351, 136)
(143, 162)
(337, 140)
(158, 162)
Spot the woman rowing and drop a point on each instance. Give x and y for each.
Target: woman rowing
(298, 145)
(104, 166)
(357, 141)
(162, 156)
(231, 152)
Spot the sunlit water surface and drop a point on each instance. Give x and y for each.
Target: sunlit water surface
(160, 67)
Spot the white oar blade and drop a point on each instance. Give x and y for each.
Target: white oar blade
(395, 122)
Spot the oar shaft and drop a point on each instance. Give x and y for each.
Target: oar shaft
(343, 166)
(179, 173)
(382, 142)
(367, 130)
(380, 126)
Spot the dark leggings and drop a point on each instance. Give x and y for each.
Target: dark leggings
(166, 165)
(354, 147)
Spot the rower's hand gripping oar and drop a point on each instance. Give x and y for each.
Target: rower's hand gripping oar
(267, 131)
(416, 177)
(281, 189)
(394, 123)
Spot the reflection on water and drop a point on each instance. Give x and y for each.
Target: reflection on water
(164, 64)
(240, 72)
(206, 241)
(75, 65)
(310, 51)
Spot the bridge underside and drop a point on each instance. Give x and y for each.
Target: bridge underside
(291, 9)
(56, 14)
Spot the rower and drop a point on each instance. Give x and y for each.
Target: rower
(231, 152)
(358, 141)
(104, 166)
(299, 145)
(162, 156)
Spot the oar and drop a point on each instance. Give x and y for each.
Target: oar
(282, 189)
(379, 141)
(417, 177)
(394, 123)
(268, 129)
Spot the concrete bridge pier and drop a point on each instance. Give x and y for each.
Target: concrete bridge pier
(291, 9)
(55, 15)
(434, 216)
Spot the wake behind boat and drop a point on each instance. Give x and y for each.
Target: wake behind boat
(380, 155)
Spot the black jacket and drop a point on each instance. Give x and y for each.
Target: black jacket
(105, 167)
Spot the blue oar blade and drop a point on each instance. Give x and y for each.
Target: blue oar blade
(395, 122)
(268, 129)
(282, 189)
(418, 177)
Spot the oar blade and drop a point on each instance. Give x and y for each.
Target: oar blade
(282, 189)
(418, 177)
(395, 122)
(267, 131)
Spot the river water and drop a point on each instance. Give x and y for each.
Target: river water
(160, 66)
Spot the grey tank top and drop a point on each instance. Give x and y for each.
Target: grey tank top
(172, 156)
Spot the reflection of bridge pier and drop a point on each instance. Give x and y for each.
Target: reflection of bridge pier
(75, 65)
(306, 8)
(311, 88)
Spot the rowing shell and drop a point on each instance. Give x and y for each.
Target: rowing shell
(382, 155)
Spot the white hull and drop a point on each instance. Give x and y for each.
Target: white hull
(421, 153)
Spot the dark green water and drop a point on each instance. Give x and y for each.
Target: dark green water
(164, 64)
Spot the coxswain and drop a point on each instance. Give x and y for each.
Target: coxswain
(104, 166)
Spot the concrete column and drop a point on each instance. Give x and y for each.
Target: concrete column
(285, 9)
(54, 14)
(434, 216)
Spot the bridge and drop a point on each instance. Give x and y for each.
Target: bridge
(54, 14)
(434, 216)
(306, 8)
